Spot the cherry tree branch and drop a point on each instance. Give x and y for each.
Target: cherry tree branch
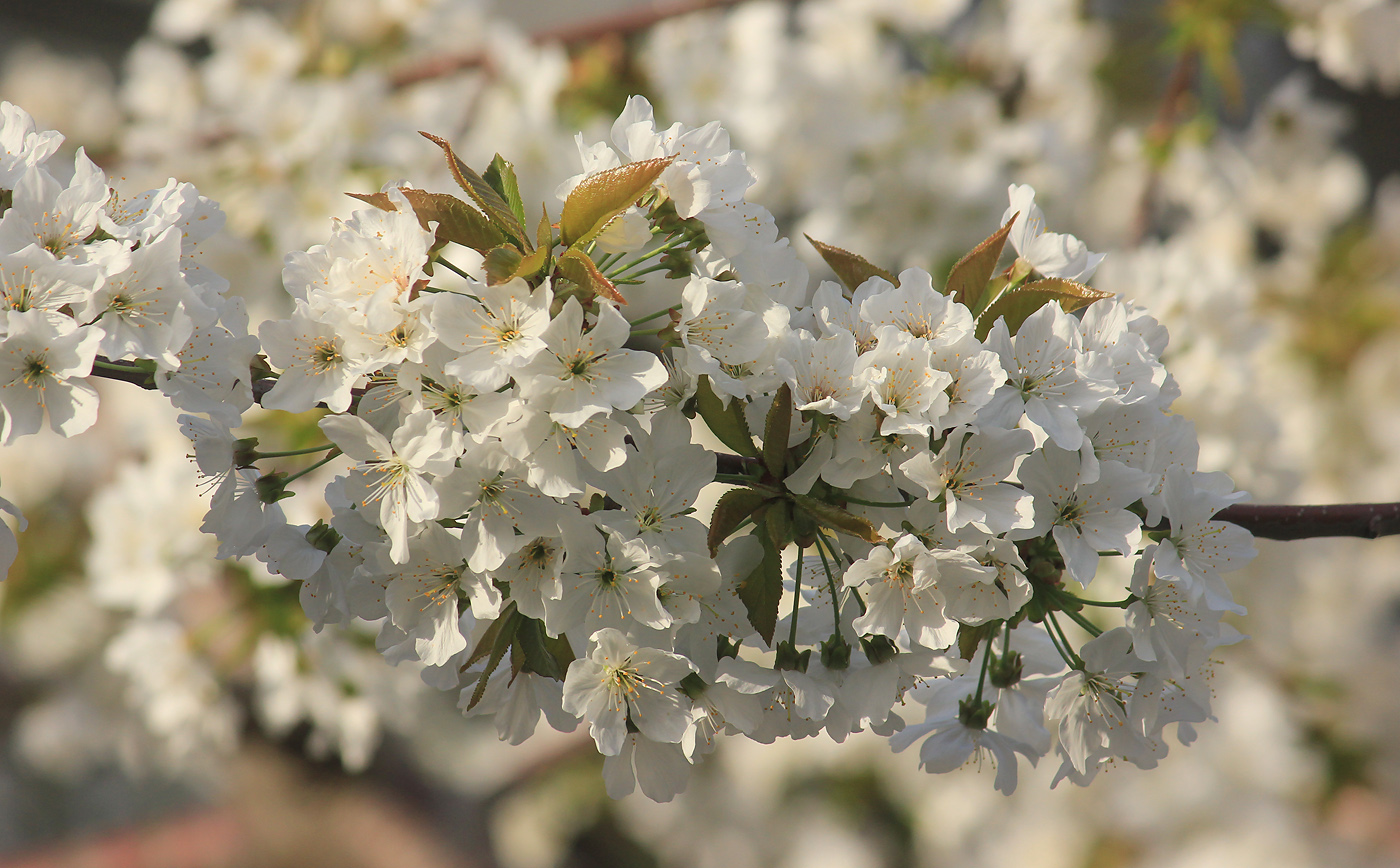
(1287, 522)
(1266, 520)
(621, 24)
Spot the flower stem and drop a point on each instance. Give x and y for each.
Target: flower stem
(299, 474)
(1089, 626)
(796, 598)
(450, 267)
(284, 454)
(649, 317)
(1065, 649)
(831, 583)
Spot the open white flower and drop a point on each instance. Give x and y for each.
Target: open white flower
(43, 355)
(585, 373)
(394, 473)
(618, 682)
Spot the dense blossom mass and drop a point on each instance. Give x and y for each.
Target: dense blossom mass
(620, 465)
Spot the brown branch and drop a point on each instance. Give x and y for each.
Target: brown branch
(1265, 520)
(1285, 522)
(621, 24)
(1159, 136)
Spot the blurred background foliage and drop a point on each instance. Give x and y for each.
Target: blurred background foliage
(1236, 158)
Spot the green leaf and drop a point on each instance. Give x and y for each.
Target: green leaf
(492, 203)
(576, 265)
(762, 590)
(777, 522)
(850, 267)
(500, 635)
(539, 659)
(599, 198)
(457, 221)
(501, 176)
(837, 518)
(1017, 304)
(968, 279)
(731, 509)
(775, 432)
(727, 422)
(502, 263)
(502, 624)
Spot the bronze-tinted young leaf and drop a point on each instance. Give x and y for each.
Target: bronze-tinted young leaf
(727, 422)
(601, 197)
(1017, 304)
(775, 432)
(534, 265)
(968, 279)
(544, 233)
(852, 268)
(731, 509)
(837, 518)
(576, 265)
(457, 221)
(483, 194)
(762, 590)
(501, 176)
(502, 263)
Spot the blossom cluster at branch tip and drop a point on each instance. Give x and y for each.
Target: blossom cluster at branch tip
(916, 489)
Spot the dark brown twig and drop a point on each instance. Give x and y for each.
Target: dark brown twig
(1285, 522)
(1159, 135)
(621, 24)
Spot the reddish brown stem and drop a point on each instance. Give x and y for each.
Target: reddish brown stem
(1160, 133)
(621, 24)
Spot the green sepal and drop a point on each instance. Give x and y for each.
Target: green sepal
(836, 652)
(693, 686)
(1016, 305)
(967, 281)
(852, 269)
(599, 198)
(323, 537)
(790, 659)
(725, 422)
(878, 649)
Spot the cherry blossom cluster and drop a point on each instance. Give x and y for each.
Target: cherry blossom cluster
(915, 495)
(91, 282)
(909, 489)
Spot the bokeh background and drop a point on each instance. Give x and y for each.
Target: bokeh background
(1236, 159)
